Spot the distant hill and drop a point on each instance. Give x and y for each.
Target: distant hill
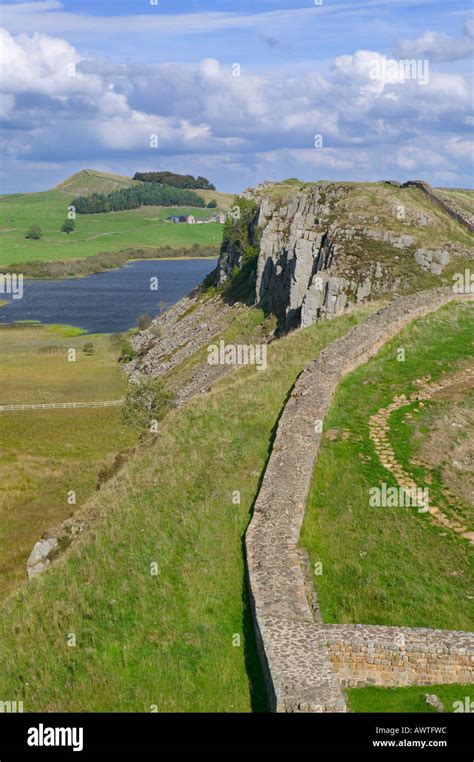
(91, 181)
(146, 228)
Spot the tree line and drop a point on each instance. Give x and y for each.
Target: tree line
(133, 198)
(177, 181)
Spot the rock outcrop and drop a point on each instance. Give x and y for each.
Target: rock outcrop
(41, 556)
(325, 247)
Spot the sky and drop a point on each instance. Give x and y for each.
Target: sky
(240, 91)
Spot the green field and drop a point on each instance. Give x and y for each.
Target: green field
(388, 566)
(44, 454)
(94, 233)
(411, 699)
(170, 640)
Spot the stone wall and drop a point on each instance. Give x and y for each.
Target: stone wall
(446, 203)
(294, 650)
(397, 656)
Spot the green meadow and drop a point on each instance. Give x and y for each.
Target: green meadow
(94, 233)
(180, 639)
(46, 453)
(410, 699)
(389, 566)
(147, 227)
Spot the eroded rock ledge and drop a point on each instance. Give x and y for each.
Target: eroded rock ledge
(322, 248)
(305, 663)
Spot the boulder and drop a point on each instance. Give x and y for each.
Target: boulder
(432, 260)
(40, 556)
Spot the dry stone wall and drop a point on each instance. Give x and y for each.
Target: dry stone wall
(301, 665)
(446, 203)
(397, 656)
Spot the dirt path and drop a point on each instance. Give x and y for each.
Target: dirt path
(379, 425)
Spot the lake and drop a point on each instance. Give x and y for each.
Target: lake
(109, 302)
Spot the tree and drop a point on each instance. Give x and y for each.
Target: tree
(88, 348)
(68, 226)
(128, 353)
(147, 194)
(177, 181)
(212, 204)
(147, 402)
(34, 232)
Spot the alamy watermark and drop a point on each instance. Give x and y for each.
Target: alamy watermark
(51, 736)
(12, 284)
(464, 706)
(401, 70)
(399, 497)
(11, 707)
(463, 283)
(238, 354)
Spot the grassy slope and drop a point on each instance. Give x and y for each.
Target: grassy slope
(463, 198)
(92, 181)
(138, 228)
(410, 699)
(386, 565)
(164, 640)
(43, 454)
(376, 206)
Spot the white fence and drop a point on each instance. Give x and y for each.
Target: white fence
(61, 405)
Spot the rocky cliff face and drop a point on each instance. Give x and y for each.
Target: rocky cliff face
(320, 249)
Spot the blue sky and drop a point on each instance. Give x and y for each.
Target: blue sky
(86, 83)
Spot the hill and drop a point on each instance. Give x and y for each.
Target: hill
(182, 502)
(90, 181)
(144, 228)
(306, 251)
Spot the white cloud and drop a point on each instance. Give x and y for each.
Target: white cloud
(42, 64)
(438, 46)
(201, 111)
(461, 148)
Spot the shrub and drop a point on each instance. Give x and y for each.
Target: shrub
(212, 204)
(88, 348)
(34, 232)
(68, 226)
(128, 353)
(143, 321)
(146, 402)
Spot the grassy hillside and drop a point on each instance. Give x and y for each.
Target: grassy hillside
(411, 699)
(140, 228)
(181, 640)
(91, 181)
(464, 198)
(388, 565)
(44, 454)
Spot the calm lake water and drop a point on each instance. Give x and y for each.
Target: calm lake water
(109, 302)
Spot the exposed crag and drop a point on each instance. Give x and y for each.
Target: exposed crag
(313, 251)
